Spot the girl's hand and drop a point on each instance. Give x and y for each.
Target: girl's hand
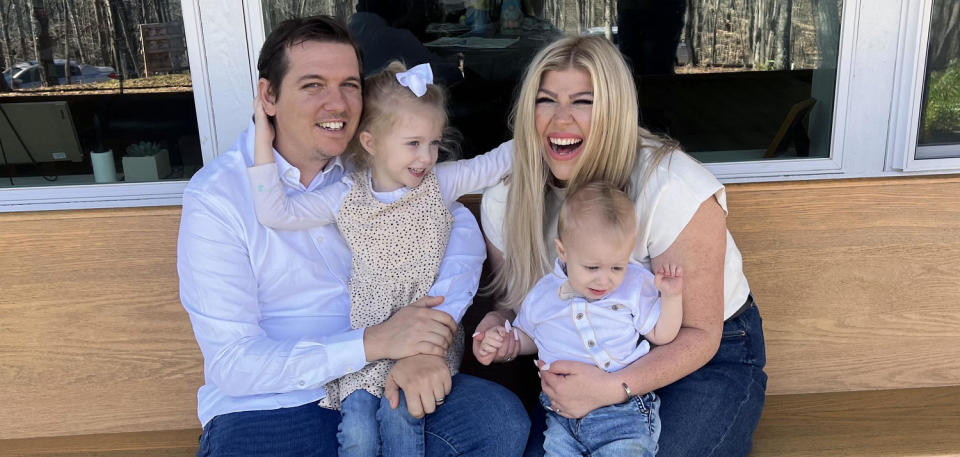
(263, 134)
(576, 388)
(510, 348)
(669, 280)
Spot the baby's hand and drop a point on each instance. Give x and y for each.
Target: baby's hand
(264, 133)
(669, 280)
(492, 339)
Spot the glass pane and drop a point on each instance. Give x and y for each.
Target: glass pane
(940, 115)
(125, 113)
(732, 80)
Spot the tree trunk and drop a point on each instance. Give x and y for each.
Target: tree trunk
(785, 29)
(111, 37)
(697, 42)
(71, 16)
(944, 34)
(23, 32)
(7, 57)
(42, 44)
(104, 27)
(131, 51)
(66, 44)
(713, 44)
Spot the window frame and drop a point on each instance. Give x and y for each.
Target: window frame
(220, 83)
(908, 99)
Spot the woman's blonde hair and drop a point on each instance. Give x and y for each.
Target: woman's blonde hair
(384, 100)
(610, 154)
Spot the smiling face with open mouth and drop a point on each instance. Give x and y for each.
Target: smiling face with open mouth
(406, 151)
(318, 107)
(564, 107)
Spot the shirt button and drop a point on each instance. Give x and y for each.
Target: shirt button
(590, 343)
(606, 364)
(319, 239)
(302, 383)
(579, 316)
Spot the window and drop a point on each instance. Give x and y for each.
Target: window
(939, 129)
(733, 81)
(125, 114)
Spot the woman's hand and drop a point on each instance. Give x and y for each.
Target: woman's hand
(507, 351)
(575, 388)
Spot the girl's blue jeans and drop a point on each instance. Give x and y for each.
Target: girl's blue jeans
(368, 423)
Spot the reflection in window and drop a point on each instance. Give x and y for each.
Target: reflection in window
(940, 116)
(95, 91)
(732, 81)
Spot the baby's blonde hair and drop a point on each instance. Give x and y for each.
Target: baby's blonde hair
(597, 202)
(384, 100)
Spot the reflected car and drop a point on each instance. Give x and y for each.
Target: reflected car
(26, 75)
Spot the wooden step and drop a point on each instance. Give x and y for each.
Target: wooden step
(168, 443)
(895, 423)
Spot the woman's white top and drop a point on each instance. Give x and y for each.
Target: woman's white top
(603, 332)
(665, 204)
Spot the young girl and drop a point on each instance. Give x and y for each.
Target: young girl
(393, 213)
(593, 308)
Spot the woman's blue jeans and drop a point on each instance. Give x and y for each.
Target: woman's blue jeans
(713, 411)
(478, 418)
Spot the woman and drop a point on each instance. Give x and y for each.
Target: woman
(576, 121)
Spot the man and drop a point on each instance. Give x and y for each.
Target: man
(270, 309)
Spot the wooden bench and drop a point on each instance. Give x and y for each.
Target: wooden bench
(857, 282)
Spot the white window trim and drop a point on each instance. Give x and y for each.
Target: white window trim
(908, 97)
(222, 92)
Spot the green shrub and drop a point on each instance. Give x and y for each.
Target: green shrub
(942, 113)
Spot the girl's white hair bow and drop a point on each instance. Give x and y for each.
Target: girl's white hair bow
(417, 78)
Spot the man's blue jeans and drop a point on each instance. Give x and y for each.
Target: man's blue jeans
(713, 411)
(478, 418)
(368, 423)
(630, 428)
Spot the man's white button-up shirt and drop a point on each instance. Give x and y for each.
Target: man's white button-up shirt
(270, 309)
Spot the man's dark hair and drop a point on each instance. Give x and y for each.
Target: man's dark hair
(273, 64)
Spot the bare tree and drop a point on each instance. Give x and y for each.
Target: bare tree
(7, 57)
(43, 45)
(944, 33)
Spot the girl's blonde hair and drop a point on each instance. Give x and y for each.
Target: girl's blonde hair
(611, 154)
(384, 100)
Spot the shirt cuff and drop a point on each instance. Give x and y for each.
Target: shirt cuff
(345, 354)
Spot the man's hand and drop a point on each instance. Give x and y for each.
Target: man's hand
(414, 329)
(425, 381)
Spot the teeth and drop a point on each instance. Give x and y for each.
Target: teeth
(565, 141)
(417, 170)
(332, 125)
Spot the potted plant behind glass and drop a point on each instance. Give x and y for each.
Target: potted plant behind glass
(145, 161)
